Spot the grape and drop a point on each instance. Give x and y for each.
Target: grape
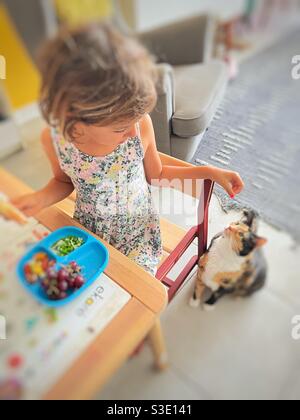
(71, 282)
(63, 275)
(63, 286)
(57, 282)
(51, 273)
(62, 295)
(74, 265)
(79, 282)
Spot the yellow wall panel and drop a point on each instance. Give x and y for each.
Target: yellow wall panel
(77, 12)
(22, 78)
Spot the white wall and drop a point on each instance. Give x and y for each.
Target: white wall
(151, 13)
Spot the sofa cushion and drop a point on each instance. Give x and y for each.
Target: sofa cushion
(199, 89)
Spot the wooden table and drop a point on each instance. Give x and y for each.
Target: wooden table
(138, 319)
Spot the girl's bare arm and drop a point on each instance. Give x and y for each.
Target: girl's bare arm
(156, 172)
(59, 187)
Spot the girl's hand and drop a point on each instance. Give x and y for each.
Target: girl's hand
(229, 180)
(30, 204)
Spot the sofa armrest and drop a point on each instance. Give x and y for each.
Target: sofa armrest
(187, 41)
(165, 108)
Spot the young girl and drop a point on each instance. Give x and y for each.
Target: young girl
(97, 92)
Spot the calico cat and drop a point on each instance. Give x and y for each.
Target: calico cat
(233, 264)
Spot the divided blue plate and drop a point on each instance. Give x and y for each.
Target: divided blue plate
(92, 256)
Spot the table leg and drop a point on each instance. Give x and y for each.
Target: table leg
(158, 346)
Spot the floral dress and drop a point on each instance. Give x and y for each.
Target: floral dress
(114, 199)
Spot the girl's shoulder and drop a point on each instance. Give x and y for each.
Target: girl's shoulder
(51, 139)
(146, 130)
(46, 136)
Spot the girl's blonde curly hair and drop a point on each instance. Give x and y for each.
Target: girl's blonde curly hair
(97, 76)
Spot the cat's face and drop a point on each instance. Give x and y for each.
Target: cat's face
(243, 239)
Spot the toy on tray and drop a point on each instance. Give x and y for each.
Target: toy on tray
(62, 266)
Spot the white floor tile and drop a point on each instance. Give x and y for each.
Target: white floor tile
(137, 380)
(283, 258)
(243, 350)
(291, 390)
(31, 165)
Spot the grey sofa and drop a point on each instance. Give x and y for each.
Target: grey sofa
(191, 83)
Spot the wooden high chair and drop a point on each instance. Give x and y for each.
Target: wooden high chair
(175, 242)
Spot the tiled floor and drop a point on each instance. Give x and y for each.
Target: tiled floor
(243, 350)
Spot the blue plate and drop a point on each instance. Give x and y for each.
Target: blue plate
(92, 256)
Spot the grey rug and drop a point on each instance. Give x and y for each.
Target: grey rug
(256, 131)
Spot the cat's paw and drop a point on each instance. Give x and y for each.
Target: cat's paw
(208, 308)
(194, 303)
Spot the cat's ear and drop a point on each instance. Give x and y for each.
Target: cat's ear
(249, 218)
(260, 242)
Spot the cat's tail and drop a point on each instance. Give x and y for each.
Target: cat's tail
(259, 282)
